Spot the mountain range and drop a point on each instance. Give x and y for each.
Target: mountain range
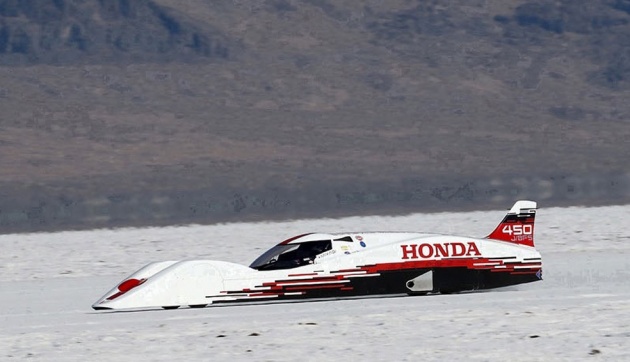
(204, 110)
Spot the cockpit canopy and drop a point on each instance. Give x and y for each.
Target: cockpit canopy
(287, 256)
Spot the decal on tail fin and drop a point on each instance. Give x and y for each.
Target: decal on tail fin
(518, 225)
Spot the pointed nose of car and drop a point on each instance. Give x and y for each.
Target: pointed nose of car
(169, 285)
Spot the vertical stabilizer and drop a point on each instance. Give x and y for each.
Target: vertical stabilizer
(518, 225)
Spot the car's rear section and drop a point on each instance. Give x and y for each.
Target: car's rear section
(449, 264)
(508, 256)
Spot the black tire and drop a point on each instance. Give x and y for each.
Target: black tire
(417, 293)
(198, 305)
(169, 307)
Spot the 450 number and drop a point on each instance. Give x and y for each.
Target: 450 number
(518, 230)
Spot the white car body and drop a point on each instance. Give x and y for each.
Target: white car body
(339, 265)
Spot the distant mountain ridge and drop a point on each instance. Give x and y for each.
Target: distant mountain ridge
(65, 32)
(125, 31)
(107, 100)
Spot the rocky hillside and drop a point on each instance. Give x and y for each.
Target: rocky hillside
(104, 100)
(63, 32)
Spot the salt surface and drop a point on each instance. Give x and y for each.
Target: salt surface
(580, 311)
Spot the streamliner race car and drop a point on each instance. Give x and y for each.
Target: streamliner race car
(343, 265)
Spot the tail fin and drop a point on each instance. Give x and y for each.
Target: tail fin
(518, 225)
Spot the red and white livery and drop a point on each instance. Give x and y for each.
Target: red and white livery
(340, 265)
